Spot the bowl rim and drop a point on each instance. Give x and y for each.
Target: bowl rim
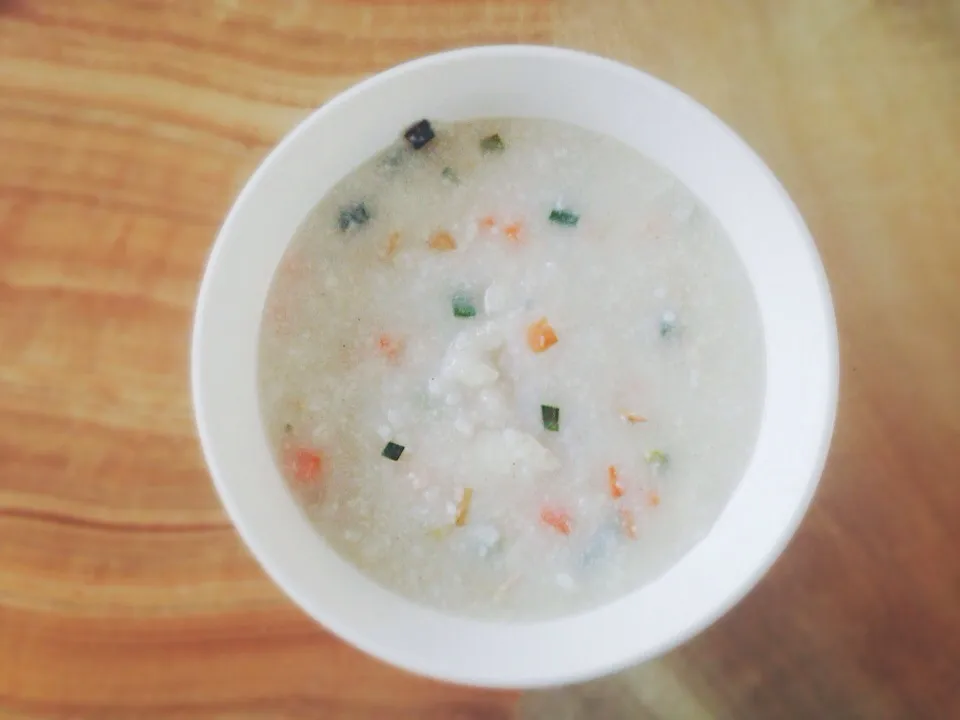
(355, 636)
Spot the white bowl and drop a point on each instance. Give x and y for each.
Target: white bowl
(667, 126)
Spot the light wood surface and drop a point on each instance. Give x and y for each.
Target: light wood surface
(126, 127)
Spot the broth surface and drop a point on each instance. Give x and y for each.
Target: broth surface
(558, 343)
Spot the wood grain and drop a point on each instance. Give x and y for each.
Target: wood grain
(126, 127)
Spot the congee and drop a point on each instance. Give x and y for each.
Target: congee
(511, 368)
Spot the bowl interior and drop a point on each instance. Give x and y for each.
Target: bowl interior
(664, 124)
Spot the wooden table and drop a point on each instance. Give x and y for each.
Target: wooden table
(125, 130)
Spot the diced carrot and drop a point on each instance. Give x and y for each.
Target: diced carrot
(653, 498)
(616, 489)
(393, 244)
(557, 519)
(633, 418)
(463, 507)
(512, 231)
(628, 523)
(304, 464)
(390, 347)
(541, 336)
(442, 241)
(487, 223)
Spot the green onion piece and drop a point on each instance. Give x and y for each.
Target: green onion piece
(668, 323)
(551, 417)
(564, 217)
(288, 428)
(492, 143)
(356, 214)
(419, 134)
(463, 307)
(656, 457)
(450, 175)
(393, 451)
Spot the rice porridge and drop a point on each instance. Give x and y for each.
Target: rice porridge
(511, 368)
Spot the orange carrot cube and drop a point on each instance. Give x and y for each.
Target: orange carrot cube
(390, 347)
(616, 489)
(442, 241)
(559, 520)
(512, 231)
(541, 336)
(304, 465)
(393, 244)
